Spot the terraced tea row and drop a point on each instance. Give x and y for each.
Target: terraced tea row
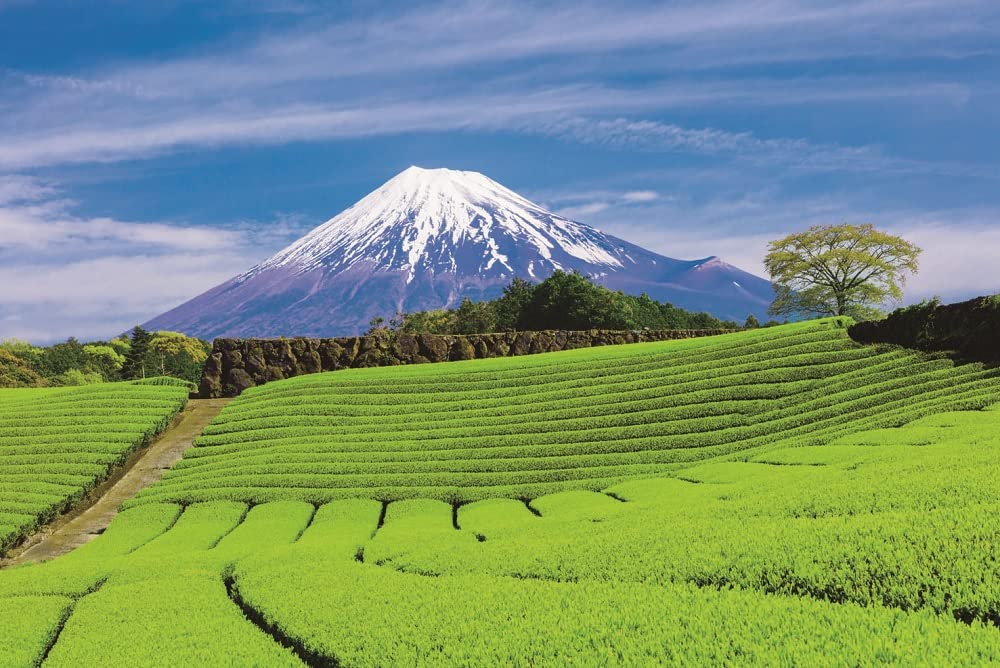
(56, 444)
(876, 549)
(584, 419)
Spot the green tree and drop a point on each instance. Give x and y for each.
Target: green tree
(376, 326)
(121, 345)
(61, 357)
(751, 322)
(570, 301)
(16, 372)
(177, 355)
(135, 360)
(437, 321)
(31, 355)
(562, 301)
(845, 269)
(104, 359)
(475, 317)
(77, 377)
(511, 303)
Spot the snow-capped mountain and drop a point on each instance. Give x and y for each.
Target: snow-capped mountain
(426, 239)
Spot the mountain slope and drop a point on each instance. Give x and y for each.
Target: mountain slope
(426, 239)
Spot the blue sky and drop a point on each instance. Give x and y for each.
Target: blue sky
(149, 151)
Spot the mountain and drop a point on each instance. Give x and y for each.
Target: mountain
(426, 239)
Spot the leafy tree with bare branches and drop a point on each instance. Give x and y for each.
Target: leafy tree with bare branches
(844, 269)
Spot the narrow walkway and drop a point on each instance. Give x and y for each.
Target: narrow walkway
(89, 520)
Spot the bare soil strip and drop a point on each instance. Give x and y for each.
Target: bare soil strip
(90, 518)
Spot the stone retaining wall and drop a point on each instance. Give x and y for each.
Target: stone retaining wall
(237, 364)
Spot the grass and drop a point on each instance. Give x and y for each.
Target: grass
(57, 444)
(781, 497)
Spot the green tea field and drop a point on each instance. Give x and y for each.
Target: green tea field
(57, 444)
(781, 496)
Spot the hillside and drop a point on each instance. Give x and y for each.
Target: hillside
(677, 503)
(581, 419)
(426, 239)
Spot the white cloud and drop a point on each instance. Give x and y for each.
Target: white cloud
(124, 283)
(549, 112)
(583, 210)
(641, 196)
(395, 72)
(961, 247)
(95, 277)
(102, 297)
(34, 218)
(16, 188)
(452, 35)
(959, 261)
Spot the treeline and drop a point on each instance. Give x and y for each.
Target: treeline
(563, 301)
(140, 354)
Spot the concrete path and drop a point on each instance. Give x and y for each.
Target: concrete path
(143, 468)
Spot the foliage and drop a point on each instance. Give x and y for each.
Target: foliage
(839, 270)
(570, 301)
(563, 301)
(76, 377)
(62, 357)
(104, 358)
(75, 363)
(136, 358)
(174, 354)
(27, 353)
(475, 317)
(509, 306)
(16, 372)
(438, 321)
(121, 344)
(968, 328)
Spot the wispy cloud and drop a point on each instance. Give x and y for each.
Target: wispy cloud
(455, 35)
(641, 196)
(17, 188)
(544, 113)
(103, 296)
(326, 79)
(67, 275)
(789, 153)
(34, 218)
(584, 210)
(959, 245)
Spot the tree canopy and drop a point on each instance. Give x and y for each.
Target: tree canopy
(562, 301)
(178, 355)
(121, 358)
(135, 359)
(850, 270)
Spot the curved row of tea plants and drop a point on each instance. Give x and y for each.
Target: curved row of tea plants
(57, 444)
(584, 419)
(875, 549)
